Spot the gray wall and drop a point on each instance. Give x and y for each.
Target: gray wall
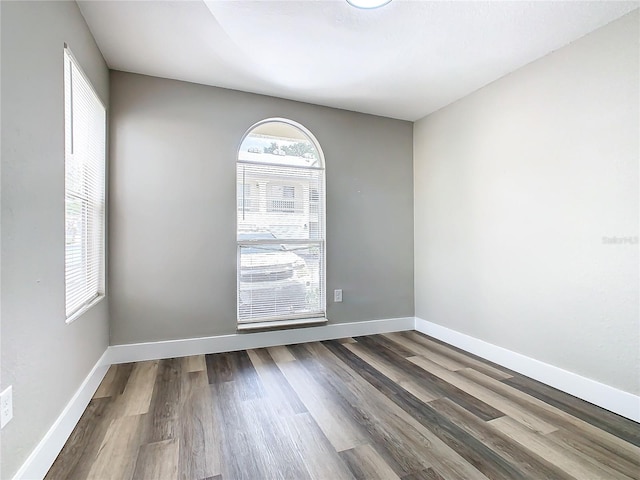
(515, 187)
(173, 207)
(43, 358)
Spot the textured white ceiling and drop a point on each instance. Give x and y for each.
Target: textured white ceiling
(404, 60)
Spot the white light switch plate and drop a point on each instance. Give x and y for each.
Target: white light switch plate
(337, 295)
(6, 406)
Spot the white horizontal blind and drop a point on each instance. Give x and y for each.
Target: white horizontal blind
(85, 143)
(281, 238)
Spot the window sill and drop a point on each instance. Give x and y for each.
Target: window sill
(84, 309)
(280, 324)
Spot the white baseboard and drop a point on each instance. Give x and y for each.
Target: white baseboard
(137, 352)
(618, 401)
(39, 462)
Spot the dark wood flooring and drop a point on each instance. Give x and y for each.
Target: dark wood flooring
(395, 406)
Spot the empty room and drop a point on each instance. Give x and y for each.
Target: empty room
(308, 239)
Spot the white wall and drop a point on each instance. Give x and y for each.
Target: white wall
(515, 188)
(173, 207)
(43, 358)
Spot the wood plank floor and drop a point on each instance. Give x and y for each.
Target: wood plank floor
(397, 406)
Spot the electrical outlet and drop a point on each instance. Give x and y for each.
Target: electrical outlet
(6, 406)
(337, 295)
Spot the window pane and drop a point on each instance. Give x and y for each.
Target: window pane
(280, 179)
(280, 280)
(279, 142)
(280, 204)
(85, 131)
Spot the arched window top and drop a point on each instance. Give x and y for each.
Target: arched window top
(279, 141)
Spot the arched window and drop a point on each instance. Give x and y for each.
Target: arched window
(281, 225)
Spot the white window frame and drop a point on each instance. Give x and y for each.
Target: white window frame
(291, 320)
(84, 278)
